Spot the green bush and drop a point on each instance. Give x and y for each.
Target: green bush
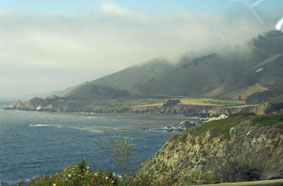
(237, 169)
(273, 107)
(171, 102)
(239, 164)
(267, 120)
(241, 115)
(81, 175)
(198, 177)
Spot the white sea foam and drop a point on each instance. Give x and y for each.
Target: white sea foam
(91, 117)
(45, 125)
(39, 125)
(88, 129)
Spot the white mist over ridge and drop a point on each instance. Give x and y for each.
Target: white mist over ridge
(45, 52)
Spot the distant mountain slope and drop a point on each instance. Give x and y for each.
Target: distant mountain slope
(269, 50)
(253, 75)
(197, 76)
(261, 64)
(135, 75)
(268, 55)
(92, 91)
(233, 71)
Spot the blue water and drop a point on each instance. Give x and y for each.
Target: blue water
(35, 144)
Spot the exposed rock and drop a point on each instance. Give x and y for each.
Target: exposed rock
(222, 116)
(49, 108)
(193, 152)
(52, 97)
(186, 124)
(233, 131)
(38, 108)
(249, 132)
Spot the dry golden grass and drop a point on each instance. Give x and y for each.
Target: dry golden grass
(136, 103)
(197, 101)
(214, 93)
(210, 102)
(149, 105)
(143, 103)
(185, 101)
(245, 92)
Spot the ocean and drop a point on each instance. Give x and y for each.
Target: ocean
(37, 144)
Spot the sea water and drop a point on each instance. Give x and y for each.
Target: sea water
(36, 143)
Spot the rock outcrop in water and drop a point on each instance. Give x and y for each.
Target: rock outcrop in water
(243, 147)
(187, 124)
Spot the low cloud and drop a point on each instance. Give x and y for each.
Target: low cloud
(54, 51)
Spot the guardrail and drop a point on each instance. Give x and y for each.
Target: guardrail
(278, 182)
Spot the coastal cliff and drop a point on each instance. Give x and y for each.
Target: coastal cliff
(243, 147)
(61, 104)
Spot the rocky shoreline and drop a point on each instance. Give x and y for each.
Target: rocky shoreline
(58, 104)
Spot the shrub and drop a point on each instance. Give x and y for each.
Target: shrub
(274, 107)
(81, 175)
(241, 165)
(198, 178)
(240, 115)
(267, 120)
(237, 169)
(121, 149)
(171, 102)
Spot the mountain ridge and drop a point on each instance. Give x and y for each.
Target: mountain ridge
(197, 76)
(239, 75)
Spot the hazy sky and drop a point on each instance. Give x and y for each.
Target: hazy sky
(49, 45)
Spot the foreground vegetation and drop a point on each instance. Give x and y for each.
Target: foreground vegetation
(82, 175)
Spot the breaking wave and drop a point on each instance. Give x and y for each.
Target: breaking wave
(45, 125)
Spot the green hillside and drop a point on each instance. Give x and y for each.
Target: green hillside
(135, 75)
(261, 64)
(90, 91)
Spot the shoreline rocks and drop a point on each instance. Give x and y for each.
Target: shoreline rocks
(59, 104)
(187, 124)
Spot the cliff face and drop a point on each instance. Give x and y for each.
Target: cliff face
(240, 148)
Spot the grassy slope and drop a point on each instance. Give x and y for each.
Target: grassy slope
(243, 93)
(133, 76)
(257, 138)
(150, 102)
(240, 121)
(228, 76)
